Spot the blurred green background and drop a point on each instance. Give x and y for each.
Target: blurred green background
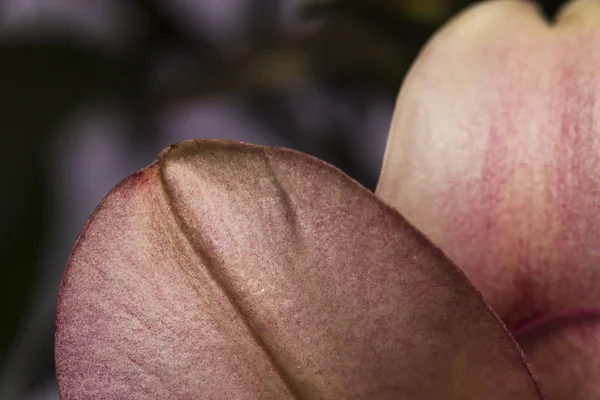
(90, 91)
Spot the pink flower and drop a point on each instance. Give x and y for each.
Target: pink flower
(232, 271)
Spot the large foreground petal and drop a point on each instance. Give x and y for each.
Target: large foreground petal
(494, 153)
(230, 271)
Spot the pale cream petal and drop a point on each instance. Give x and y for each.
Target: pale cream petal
(494, 153)
(578, 13)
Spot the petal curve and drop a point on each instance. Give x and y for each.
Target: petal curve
(235, 271)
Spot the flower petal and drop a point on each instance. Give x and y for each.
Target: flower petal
(243, 272)
(494, 154)
(581, 14)
(564, 351)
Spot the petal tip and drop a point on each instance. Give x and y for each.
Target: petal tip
(579, 12)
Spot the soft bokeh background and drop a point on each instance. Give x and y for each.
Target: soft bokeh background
(91, 91)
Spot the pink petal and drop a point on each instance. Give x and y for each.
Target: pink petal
(231, 271)
(494, 154)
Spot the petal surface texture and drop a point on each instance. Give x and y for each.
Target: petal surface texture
(231, 271)
(494, 153)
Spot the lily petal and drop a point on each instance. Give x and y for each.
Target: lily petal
(494, 153)
(232, 271)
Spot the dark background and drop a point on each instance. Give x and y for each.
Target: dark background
(91, 91)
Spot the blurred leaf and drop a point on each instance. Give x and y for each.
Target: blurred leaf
(382, 17)
(432, 11)
(39, 84)
(341, 51)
